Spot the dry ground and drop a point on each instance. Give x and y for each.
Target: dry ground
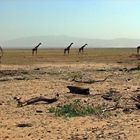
(49, 73)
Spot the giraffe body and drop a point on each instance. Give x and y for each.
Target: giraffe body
(34, 50)
(67, 50)
(138, 49)
(82, 48)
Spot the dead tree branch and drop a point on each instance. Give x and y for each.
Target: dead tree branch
(89, 81)
(136, 98)
(134, 69)
(35, 100)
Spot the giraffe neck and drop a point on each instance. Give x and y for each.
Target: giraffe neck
(83, 46)
(69, 46)
(37, 46)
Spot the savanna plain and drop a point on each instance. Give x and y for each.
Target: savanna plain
(111, 75)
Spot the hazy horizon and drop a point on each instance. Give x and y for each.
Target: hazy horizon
(92, 19)
(64, 41)
(21, 37)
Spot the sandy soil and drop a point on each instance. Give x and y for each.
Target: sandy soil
(30, 81)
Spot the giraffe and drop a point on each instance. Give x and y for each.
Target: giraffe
(67, 49)
(35, 49)
(1, 53)
(82, 48)
(138, 48)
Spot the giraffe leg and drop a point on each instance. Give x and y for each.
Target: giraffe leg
(64, 51)
(79, 51)
(32, 52)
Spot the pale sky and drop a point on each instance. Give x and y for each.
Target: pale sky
(103, 19)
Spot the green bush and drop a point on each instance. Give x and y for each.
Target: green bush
(75, 109)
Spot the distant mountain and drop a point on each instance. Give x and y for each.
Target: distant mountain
(63, 41)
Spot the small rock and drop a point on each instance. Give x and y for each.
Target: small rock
(39, 111)
(36, 68)
(24, 125)
(20, 78)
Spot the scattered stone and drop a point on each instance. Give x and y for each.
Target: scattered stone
(36, 68)
(126, 110)
(24, 125)
(39, 111)
(20, 78)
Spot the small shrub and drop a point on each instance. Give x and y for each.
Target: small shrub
(75, 109)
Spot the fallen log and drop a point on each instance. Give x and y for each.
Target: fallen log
(112, 108)
(136, 98)
(111, 95)
(89, 81)
(138, 105)
(35, 100)
(78, 90)
(135, 68)
(24, 125)
(107, 97)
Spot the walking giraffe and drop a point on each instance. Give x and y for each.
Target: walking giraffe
(35, 49)
(67, 49)
(138, 48)
(82, 48)
(1, 53)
